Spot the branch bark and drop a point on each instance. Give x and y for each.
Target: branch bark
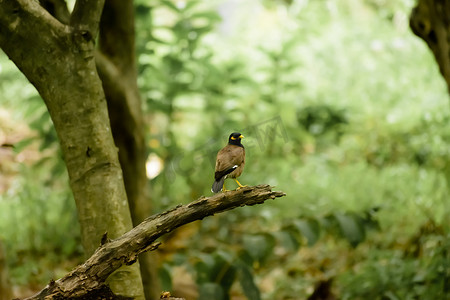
(90, 276)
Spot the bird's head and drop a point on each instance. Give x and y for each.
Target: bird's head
(235, 139)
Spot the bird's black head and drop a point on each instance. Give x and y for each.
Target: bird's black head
(235, 139)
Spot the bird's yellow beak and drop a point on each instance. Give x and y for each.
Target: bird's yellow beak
(241, 136)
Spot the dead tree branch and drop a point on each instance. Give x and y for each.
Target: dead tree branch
(111, 255)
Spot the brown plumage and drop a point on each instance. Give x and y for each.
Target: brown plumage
(230, 162)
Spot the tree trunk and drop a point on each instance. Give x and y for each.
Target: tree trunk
(430, 20)
(116, 63)
(5, 287)
(59, 61)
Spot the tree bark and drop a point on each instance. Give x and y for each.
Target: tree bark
(5, 287)
(430, 20)
(116, 64)
(58, 60)
(111, 255)
(118, 71)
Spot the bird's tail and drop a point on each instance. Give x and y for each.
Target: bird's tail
(217, 185)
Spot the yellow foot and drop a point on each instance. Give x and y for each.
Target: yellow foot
(224, 189)
(240, 185)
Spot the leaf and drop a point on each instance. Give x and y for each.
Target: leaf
(142, 9)
(309, 228)
(211, 290)
(289, 238)
(351, 228)
(19, 146)
(49, 138)
(34, 105)
(248, 285)
(41, 121)
(160, 41)
(224, 272)
(165, 278)
(170, 4)
(191, 4)
(204, 268)
(370, 221)
(245, 257)
(210, 15)
(217, 268)
(259, 246)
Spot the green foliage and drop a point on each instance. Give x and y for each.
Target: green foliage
(44, 226)
(321, 119)
(349, 120)
(309, 228)
(244, 256)
(400, 277)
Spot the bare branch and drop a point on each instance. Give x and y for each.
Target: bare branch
(124, 250)
(86, 15)
(19, 22)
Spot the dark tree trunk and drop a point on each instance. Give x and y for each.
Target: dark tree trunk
(116, 63)
(430, 20)
(5, 287)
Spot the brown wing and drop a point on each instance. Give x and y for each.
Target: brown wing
(229, 157)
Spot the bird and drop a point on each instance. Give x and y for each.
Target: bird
(230, 162)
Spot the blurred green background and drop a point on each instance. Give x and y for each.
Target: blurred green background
(343, 109)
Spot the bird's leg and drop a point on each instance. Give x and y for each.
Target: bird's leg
(223, 188)
(240, 185)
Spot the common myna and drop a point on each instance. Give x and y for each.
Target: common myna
(230, 162)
